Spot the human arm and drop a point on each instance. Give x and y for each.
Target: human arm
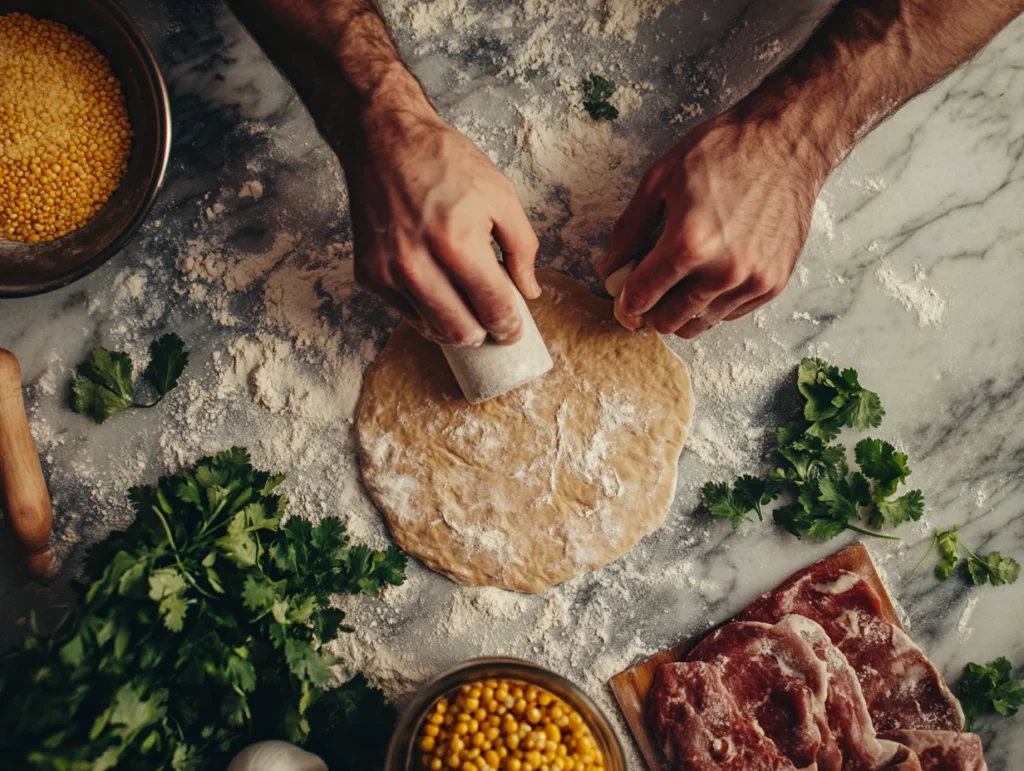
(425, 200)
(737, 193)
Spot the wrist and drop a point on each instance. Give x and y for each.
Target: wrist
(796, 126)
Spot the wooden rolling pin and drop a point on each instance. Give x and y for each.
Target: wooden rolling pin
(23, 493)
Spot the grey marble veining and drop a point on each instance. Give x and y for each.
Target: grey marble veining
(938, 189)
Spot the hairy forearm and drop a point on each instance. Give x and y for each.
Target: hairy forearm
(341, 60)
(867, 59)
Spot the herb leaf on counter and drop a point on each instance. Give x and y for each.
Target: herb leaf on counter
(827, 496)
(989, 688)
(104, 385)
(203, 627)
(980, 569)
(596, 92)
(748, 493)
(167, 360)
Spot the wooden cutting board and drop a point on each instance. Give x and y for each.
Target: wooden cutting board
(631, 686)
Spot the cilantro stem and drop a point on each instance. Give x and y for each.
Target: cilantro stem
(935, 541)
(856, 529)
(177, 557)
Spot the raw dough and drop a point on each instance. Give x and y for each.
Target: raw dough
(559, 476)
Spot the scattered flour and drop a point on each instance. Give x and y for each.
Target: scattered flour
(915, 295)
(963, 626)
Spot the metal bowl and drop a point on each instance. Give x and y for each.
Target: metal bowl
(401, 751)
(27, 269)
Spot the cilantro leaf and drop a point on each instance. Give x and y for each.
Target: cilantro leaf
(989, 688)
(993, 568)
(906, 508)
(880, 461)
(596, 92)
(167, 360)
(980, 568)
(722, 501)
(103, 386)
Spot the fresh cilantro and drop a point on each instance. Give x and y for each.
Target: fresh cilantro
(981, 569)
(827, 497)
(167, 360)
(104, 385)
(596, 92)
(747, 494)
(203, 626)
(989, 688)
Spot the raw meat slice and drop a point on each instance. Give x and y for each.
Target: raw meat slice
(776, 679)
(942, 750)
(847, 712)
(901, 687)
(699, 726)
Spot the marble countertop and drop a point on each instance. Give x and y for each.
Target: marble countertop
(911, 274)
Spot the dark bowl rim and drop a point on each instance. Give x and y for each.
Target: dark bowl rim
(163, 106)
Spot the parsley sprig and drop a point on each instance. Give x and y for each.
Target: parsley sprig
(202, 629)
(596, 93)
(105, 384)
(826, 495)
(989, 688)
(991, 568)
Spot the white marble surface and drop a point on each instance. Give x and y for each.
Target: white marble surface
(935, 197)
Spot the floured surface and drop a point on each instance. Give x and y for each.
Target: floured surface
(555, 478)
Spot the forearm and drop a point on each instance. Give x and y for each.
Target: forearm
(867, 59)
(341, 60)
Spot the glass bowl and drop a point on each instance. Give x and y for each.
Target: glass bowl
(403, 755)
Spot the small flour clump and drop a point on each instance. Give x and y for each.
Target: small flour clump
(914, 295)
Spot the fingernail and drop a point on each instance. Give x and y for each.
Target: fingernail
(628, 320)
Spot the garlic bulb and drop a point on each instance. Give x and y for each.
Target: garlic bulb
(275, 756)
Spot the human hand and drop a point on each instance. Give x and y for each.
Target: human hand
(737, 198)
(425, 204)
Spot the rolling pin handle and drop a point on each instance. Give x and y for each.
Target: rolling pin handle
(23, 494)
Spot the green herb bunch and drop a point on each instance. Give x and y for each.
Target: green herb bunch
(827, 496)
(979, 569)
(201, 630)
(989, 689)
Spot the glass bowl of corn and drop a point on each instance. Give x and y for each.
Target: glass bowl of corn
(503, 714)
(85, 135)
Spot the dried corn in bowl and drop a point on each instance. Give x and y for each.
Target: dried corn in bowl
(497, 714)
(84, 138)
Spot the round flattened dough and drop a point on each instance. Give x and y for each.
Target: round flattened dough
(562, 475)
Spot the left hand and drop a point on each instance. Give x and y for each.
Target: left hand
(737, 198)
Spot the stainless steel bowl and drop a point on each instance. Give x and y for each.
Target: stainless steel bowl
(27, 269)
(401, 755)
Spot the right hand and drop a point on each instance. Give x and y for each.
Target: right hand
(425, 204)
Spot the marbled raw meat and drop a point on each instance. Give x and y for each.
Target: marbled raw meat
(775, 678)
(699, 726)
(942, 750)
(847, 712)
(901, 687)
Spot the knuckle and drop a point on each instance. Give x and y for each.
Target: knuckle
(406, 266)
(760, 284)
(732, 274)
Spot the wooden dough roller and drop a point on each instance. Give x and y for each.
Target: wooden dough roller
(23, 494)
(490, 369)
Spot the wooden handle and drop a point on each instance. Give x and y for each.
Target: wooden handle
(26, 501)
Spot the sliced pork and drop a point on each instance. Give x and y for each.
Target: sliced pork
(775, 678)
(699, 726)
(900, 686)
(942, 750)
